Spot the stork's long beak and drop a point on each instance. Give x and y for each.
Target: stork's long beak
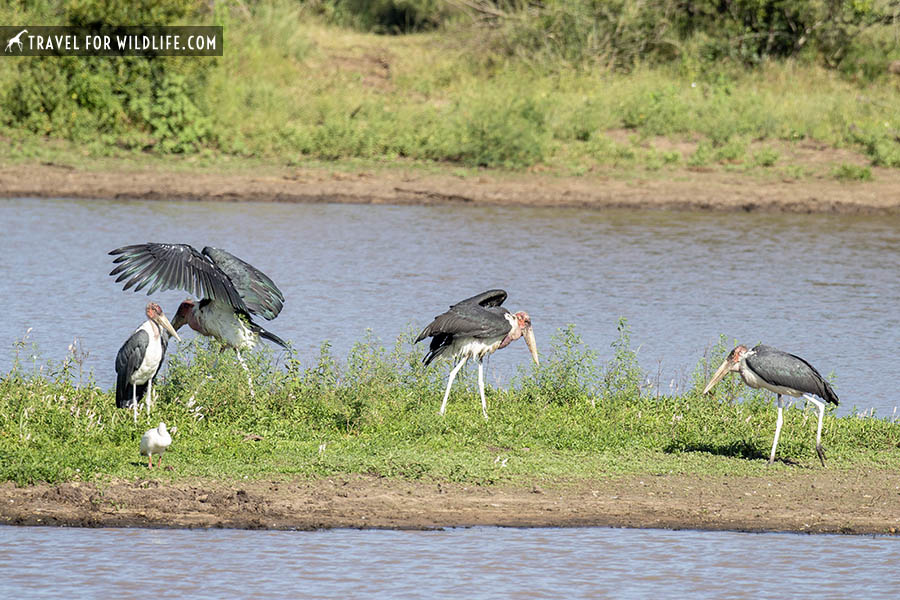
(532, 345)
(164, 322)
(722, 372)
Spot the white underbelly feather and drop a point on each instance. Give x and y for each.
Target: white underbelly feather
(475, 348)
(152, 356)
(225, 325)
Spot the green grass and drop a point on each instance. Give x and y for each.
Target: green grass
(376, 413)
(309, 91)
(847, 172)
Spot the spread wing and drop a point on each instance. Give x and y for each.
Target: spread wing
(174, 266)
(260, 294)
(488, 298)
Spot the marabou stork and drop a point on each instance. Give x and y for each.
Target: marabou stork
(782, 373)
(231, 289)
(140, 358)
(474, 328)
(155, 441)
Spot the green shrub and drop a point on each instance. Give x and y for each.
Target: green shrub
(386, 16)
(134, 102)
(848, 172)
(765, 157)
(494, 131)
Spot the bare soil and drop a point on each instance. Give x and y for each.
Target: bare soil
(807, 501)
(681, 189)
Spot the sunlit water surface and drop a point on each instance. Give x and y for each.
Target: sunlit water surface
(476, 563)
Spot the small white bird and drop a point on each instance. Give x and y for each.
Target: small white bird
(155, 441)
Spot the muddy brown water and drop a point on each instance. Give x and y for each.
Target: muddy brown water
(822, 286)
(477, 563)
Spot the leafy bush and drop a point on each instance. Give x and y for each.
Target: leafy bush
(622, 34)
(848, 172)
(385, 16)
(133, 102)
(498, 132)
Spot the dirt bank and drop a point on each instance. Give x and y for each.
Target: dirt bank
(810, 501)
(685, 189)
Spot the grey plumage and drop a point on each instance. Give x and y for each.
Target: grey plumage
(780, 368)
(783, 374)
(479, 317)
(214, 274)
(488, 298)
(128, 359)
(473, 329)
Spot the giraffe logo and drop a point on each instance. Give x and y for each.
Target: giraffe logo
(15, 40)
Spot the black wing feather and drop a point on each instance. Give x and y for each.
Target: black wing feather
(259, 293)
(486, 299)
(783, 369)
(480, 316)
(469, 320)
(174, 266)
(129, 358)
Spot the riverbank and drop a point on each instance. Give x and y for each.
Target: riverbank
(801, 500)
(675, 189)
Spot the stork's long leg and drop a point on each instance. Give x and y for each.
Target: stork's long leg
(481, 388)
(821, 406)
(149, 396)
(150, 458)
(243, 364)
(778, 423)
(134, 400)
(453, 373)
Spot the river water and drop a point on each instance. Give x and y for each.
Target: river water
(477, 563)
(824, 287)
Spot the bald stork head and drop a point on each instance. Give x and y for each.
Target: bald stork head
(731, 363)
(155, 313)
(523, 328)
(181, 315)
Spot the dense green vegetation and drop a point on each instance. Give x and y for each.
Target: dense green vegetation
(577, 416)
(574, 85)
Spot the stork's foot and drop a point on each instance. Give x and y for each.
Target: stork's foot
(821, 452)
(771, 462)
(150, 464)
(485, 415)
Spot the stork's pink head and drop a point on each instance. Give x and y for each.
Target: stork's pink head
(737, 354)
(153, 310)
(155, 313)
(181, 315)
(731, 363)
(523, 319)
